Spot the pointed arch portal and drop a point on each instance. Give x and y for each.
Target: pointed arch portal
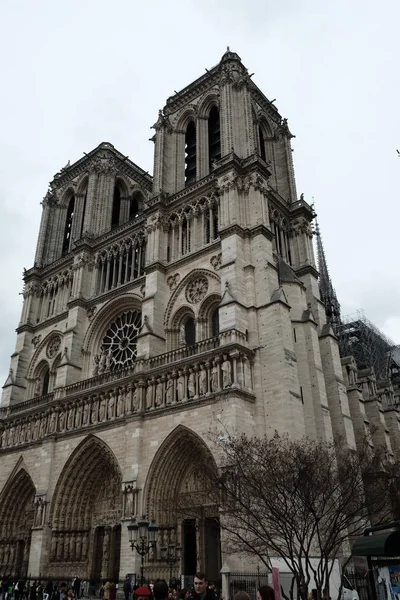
(178, 499)
(86, 514)
(16, 522)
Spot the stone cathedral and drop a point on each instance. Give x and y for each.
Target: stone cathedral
(156, 307)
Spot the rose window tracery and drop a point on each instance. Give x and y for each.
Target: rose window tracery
(120, 342)
(196, 290)
(53, 347)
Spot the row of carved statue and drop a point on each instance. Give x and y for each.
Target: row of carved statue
(144, 394)
(69, 546)
(8, 554)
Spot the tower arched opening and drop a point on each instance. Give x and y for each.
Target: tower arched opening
(190, 154)
(66, 246)
(214, 136)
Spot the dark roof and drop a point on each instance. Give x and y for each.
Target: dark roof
(381, 544)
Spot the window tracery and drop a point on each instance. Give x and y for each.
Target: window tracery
(119, 345)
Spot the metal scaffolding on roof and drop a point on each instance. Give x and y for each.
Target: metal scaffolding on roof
(362, 339)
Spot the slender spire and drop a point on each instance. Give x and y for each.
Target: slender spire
(327, 291)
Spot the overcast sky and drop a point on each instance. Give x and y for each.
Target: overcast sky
(78, 72)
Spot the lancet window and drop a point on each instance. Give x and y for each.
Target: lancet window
(281, 242)
(120, 263)
(193, 227)
(261, 141)
(53, 295)
(190, 154)
(214, 136)
(116, 207)
(68, 226)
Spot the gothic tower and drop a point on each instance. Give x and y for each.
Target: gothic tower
(157, 307)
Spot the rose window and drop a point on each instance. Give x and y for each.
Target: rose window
(53, 346)
(196, 290)
(120, 341)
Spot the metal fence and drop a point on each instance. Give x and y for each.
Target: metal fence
(247, 582)
(360, 581)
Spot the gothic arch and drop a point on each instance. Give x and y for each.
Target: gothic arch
(88, 488)
(82, 184)
(181, 454)
(105, 316)
(67, 195)
(206, 311)
(209, 100)
(213, 279)
(123, 184)
(189, 113)
(40, 352)
(16, 521)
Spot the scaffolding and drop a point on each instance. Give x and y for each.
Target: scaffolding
(370, 347)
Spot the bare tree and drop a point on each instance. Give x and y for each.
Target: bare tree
(295, 499)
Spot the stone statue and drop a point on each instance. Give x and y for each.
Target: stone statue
(109, 359)
(191, 384)
(86, 412)
(96, 361)
(42, 428)
(78, 547)
(84, 545)
(106, 545)
(120, 403)
(39, 512)
(128, 399)
(38, 386)
(102, 408)
(93, 416)
(111, 406)
(159, 393)
(78, 415)
(70, 418)
(182, 336)
(36, 428)
(149, 395)
(135, 399)
(214, 378)
(226, 373)
(169, 392)
(61, 420)
(180, 386)
(53, 551)
(53, 422)
(202, 381)
(128, 501)
(102, 362)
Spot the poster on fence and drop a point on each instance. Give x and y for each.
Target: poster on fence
(276, 583)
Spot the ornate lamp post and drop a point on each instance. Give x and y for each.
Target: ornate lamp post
(171, 554)
(143, 537)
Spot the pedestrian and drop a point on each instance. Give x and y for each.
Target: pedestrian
(265, 592)
(200, 588)
(160, 590)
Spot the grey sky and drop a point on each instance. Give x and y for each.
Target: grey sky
(76, 73)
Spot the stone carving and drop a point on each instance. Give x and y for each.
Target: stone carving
(40, 506)
(149, 395)
(216, 261)
(202, 381)
(129, 500)
(36, 340)
(53, 346)
(182, 335)
(196, 290)
(169, 390)
(214, 378)
(226, 373)
(180, 386)
(191, 384)
(159, 393)
(173, 281)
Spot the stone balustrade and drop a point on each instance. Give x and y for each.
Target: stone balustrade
(127, 393)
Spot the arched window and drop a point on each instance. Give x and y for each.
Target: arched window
(214, 136)
(68, 226)
(190, 154)
(116, 207)
(215, 323)
(134, 206)
(46, 382)
(262, 144)
(83, 211)
(190, 332)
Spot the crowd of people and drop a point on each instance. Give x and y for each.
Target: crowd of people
(107, 590)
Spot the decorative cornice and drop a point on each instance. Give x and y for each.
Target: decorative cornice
(306, 270)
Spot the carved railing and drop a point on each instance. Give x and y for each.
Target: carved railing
(221, 370)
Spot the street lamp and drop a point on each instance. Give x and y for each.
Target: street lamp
(142, 536)
(171, 554)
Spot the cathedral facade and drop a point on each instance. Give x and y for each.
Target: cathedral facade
(157, 307)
